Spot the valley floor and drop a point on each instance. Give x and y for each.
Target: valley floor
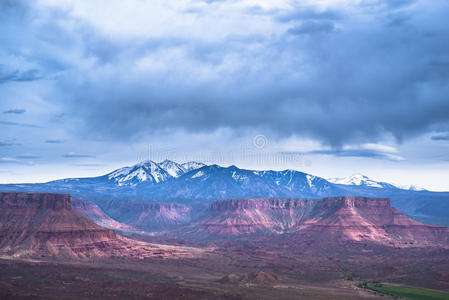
(50, 280)
(232, 270)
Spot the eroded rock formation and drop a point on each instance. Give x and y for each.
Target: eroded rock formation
(334, 218)
(45, 225)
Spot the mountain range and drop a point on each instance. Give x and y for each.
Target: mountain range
(149, 172)
(125, 193)
(361, 180)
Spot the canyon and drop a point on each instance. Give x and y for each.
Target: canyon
(45, 225)
(335, 219)
(193, 184)
(241, 248)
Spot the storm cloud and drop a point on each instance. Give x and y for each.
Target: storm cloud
(90, 83)
(363, 80)
(15, 111)
(76, 155)
(441, 137)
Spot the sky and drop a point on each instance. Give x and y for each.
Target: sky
(330, 88)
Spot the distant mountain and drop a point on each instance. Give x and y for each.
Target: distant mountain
(361, 180)
(216, 182)
(412, 187)
(151, 172)
(173, 169)
(194, 183)
(192, 165)
(191, 181)
(147, 171)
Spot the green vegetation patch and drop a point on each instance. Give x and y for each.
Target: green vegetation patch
(407, 292)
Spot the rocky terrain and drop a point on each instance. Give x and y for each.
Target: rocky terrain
(255, 277)
(330, 219)
(148, 216)
(369, 219)
(193, 183)
(255, 248)
(45, 225)
(94, 213)
(246, 216)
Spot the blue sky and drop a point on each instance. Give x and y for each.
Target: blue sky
(333, 87)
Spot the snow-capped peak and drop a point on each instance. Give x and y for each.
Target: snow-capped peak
(174, 169)
(360, 180)
(146, 171)
(411, 187)
(151, 172)
(192, 165)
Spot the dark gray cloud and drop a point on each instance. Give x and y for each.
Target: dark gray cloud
(305, 13)
(387, 5)
(15, 111)
(441, 137)
(398, 3)
(8, 144)
(27, 156)
(212, 1)
(361, 83)
(54, 141)
(17, 75)
(398, 20)
(14, 161)
(18, 124)
(89, 165)
(368, 153)
(311, 27)
(76, 155)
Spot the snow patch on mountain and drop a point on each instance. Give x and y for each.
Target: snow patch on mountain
(151, 172)
(198, 174)
(239, 177)
(360, 180)
(356, 179)
(411, 187)
(192, 165)
(310, 179)
(147, 171)
(173, 169)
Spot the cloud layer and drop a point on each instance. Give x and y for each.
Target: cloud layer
(80, 79)
(339, 74)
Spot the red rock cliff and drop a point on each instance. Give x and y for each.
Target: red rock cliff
(271, 203)
(354, 202)
(36, 200)
(333, 218)
(45, 225)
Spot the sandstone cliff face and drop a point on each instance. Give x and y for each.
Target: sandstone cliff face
(44, 225)
(97, 215)
(243, 216)
(35, 200)
(149, 216)
(271, 203)
(162, 215)
(334, 218)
